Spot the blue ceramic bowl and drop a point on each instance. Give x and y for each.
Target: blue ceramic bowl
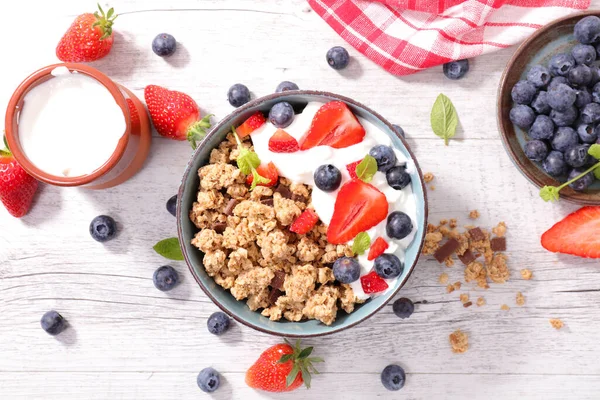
(186, 229)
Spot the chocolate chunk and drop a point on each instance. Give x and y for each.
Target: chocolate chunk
(219, 227)
(476, 234)
(498, 244)
(274, 295)
(467, 257)
(468, 304)
(446, 250)
(278, 279)
(267, 202)
(298, 197)
(230, 206)
(284, 191)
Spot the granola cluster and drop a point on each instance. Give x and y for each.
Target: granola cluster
(249, 249)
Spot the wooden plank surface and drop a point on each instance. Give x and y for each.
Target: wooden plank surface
(130, 341)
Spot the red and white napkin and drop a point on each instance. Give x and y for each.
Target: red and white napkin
(406, 36)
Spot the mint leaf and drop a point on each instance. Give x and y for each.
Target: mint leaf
(366, 169)
(552, 193)
(549, 193)
(257, 179)
(169, 248)
(247, 161)
(361, 243)
(444, 119)
(594, 151)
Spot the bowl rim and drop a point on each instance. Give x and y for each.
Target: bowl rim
(573, 198)
(227, 121)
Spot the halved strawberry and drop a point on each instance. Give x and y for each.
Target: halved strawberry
(333, 125)
(378, 247)
(305, 222)
(358, 207)
(283, 142)
(268, 171)
(352, 169)
(254, 122)
(373, 283)
(576, 234)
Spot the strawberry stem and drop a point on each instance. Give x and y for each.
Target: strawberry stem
(302, 363)
(6, 151)
(105, 21)
(197, 131)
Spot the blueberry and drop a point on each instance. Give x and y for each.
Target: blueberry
(388, 266)
(583, 97)
(281, 114)
(557, 80)
(172, 205)
(582, 183)
(338, 57)
(540, 103)
(555, 164)
(587, 133)
(595, 74)
(539, 76)
(399, 130)
(53, 323)
(285, 86)
(590, 113)
(580, 75)
(165, 278)
(397, 177)
(403, 307)
(218, 323)
(393, 377)
(346, 269)
(523, 92)
(103, 228)
(522, 116)
(536, 150)
(456, 69)
(564, 118)
(542, 128)
(577, 156)
(238, 95)
(583, 53)
(385, 157)
(587, 30)
(208, 380)
(561, 64)
(164, 45)
(561, 97)
(596, 93)
(398, 225)
(564, 138)
(328, 178)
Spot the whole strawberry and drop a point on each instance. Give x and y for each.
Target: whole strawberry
(175, 114)
(282, 368)
(89, 37)
(17, 187)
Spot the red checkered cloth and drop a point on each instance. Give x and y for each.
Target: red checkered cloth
(406, 36)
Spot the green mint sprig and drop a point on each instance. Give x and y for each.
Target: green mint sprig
(169, 248)
(444, 119)
(367, 168)
(248, 161)
(361, 243)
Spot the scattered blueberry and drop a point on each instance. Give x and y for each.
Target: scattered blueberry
(328, 177)
(564, 138)
(577, 156)
(285, 86)
(596, 93)
(388, 266)
(238, 95)
(172, 205)
(522, 116)
(456, 69)
(281, 114)
(164, 45)
(582, 183)
(587, 30)
(393, 377)
(403, 307)
(53, 323)
(580, 75)
(583, 53)
(399, 130)
(561, 97)
(587, 133)
(165, 278)
(561, 64)
(218, 323)
(385, 157)
(540, 103)
(397, 177)
(583, 97)
(338, 57)
(346, 270)
(208, 380)
(542, 128)
(539, 76)
(555, 164)
(103, 228)
(523, 92)
(398, 225)
(536, 150)
(564, 118)
(590, 113)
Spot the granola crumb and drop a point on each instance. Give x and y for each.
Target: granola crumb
(480, 302)
(526, 274)
(459, 341)
(556, 323)
(464, 298)
(428, 177)
(504, 307)
(457, 285)
(449, 288)
(449, 262)
(453, 223)
(431, 187)
(499, 230)
(443, 278)
(474, 214)
(520, 299)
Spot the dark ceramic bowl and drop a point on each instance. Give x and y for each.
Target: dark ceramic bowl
(238, 309)
(556, 37)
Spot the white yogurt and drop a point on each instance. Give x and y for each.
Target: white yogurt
(70, 125)
(300, 166)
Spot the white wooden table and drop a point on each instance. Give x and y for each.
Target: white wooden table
(129, 341)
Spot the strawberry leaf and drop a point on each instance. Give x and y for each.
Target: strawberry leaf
(306, 377)
(361, 243)
(305, 353)
(169, 248)
(366, 169)
(292, 375)
(285, 358)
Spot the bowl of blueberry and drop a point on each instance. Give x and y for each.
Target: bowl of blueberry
(549, 109)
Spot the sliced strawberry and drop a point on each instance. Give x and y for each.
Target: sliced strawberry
(373, 283)
(254, 122)
(333, 125)
(378, 247)
(305, 222)
(283, 142)
(268, 171)
(358, 207)
(352, 169)
(576, 234)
